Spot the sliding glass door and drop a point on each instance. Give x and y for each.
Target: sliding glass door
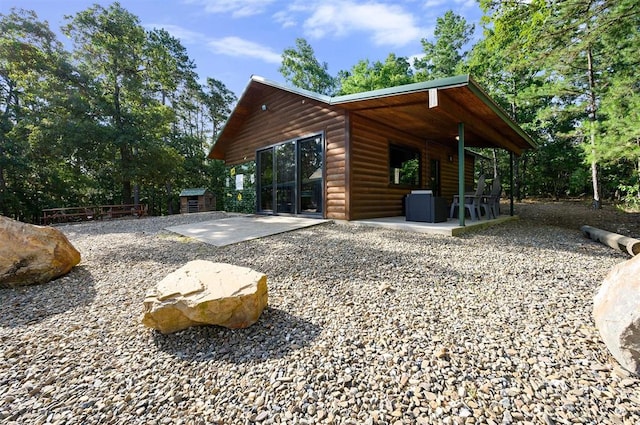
(310, 160)
(265, 180)
(285, 178)
(291, 177)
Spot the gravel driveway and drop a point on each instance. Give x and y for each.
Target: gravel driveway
(364, 326)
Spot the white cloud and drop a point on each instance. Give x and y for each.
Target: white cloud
(386, 24)
(238, 47)
(435, 3)
(237, 8)
(465, 4)
(230, 46)
(285, 19)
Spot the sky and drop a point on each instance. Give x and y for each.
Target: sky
(231, 40)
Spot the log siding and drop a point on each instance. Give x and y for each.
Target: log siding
(287, 117)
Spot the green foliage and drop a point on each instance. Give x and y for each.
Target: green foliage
(630, 196)
(366, 76)
(236, 199)
(444, 57)
(123, 116)
(218, 100)
(301, 68)
(566, 71)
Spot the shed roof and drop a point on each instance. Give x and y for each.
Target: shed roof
(429, 110)
(198, 191)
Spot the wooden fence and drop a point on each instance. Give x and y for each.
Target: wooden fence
(96, 212)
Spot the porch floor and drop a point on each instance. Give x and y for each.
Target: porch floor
(451, 227)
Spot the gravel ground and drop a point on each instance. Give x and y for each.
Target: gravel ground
(364, 326)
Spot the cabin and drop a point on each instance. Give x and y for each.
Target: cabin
(357, 156)
(196, 200)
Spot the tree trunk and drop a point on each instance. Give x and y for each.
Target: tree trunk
(136, 194)
(592, 131)
(136, 185)
(126, 192)
(517, 181)
(495, 163)
(125, 150)
(638, 170)
(3, 189)
(169, 203)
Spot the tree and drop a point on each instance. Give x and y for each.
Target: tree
(365, 76)
(301, 68)
(444, 57)
(109, 45)
(501, 62)
(619, 143)
(39, 105)
(168, 66)
(126, 117)
(580, 44)
(218, 99)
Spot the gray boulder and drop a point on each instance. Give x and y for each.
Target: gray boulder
(617, 313)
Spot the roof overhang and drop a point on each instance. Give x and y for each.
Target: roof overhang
(428, 110)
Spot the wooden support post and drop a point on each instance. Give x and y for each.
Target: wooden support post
(512, 186)
(461, 173)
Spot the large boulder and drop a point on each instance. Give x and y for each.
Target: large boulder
(617, 313)
(206, 293)
(32, 254)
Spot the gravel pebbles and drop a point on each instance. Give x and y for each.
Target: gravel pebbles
(364, 326)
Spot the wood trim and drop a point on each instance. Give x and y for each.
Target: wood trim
(347, 158)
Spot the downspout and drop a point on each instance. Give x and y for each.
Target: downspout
(461, 173)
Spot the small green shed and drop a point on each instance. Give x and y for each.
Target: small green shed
(196, 200)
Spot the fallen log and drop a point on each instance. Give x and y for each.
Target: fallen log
(614, 240)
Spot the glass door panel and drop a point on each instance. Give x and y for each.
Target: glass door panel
(286, 178)
(265, 166)
(290, 177)
(310, 166)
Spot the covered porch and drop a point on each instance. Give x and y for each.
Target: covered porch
(449, 116)
(451, 227)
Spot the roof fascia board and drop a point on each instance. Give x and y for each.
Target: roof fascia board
(302, 92)
(442, 83)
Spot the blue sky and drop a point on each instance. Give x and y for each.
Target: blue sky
(230, 40)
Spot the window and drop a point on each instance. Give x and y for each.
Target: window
(405, 165)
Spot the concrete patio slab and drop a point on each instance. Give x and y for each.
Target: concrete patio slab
(451, 227)
(227, 231)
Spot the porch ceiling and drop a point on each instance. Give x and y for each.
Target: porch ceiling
(486, 126)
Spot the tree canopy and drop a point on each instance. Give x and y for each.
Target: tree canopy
(301, 68)
(121, 118)
(566, 70)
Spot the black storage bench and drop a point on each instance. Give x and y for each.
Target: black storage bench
(421, 205)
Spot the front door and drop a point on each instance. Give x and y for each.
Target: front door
(290, 177)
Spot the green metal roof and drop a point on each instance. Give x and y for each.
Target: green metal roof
(450, 82)
(459, 80)
(198, 191)
(375, 99)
